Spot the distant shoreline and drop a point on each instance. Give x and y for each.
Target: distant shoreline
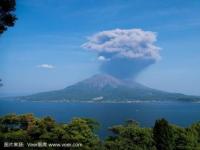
(102, 102)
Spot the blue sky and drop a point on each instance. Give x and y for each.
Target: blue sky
(51, 32)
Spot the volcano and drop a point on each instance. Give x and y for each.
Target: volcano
(106, 88)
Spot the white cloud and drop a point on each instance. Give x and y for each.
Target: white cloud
(46, 66)
(102, 58)
(124, 43)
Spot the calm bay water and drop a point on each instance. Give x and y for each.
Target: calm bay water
(108, 114)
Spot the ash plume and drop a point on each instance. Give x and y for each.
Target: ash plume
(124, 53)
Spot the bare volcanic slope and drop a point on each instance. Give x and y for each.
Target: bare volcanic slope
(106, 88)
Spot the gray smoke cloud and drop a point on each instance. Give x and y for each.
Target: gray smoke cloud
(124, 52)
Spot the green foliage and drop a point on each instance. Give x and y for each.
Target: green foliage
(81, 130)
(19, 135)
(129, 136)
(27, 128)
(7, 18)
(185, 139)
(196, 127)
(163, 135)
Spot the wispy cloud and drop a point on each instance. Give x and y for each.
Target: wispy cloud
(46, 66)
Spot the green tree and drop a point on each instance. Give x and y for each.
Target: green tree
(163, 135)
(82, 131)
(9, 122)
(185, 139)
(130, 137)
(196, 127)
(26, 121)
(19, 135)
(7, 16)
(26, 128)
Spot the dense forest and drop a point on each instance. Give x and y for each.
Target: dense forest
(22, 131)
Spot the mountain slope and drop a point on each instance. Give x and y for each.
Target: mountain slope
(105, 88)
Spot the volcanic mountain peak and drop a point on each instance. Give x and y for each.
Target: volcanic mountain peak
(100, 81)
(106, 88)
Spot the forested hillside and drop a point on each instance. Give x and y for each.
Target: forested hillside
(81, 133)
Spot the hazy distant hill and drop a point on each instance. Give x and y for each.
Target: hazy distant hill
(106, 88)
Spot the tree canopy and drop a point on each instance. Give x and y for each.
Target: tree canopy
(163, 135)
(82, 131)
(7, 16)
